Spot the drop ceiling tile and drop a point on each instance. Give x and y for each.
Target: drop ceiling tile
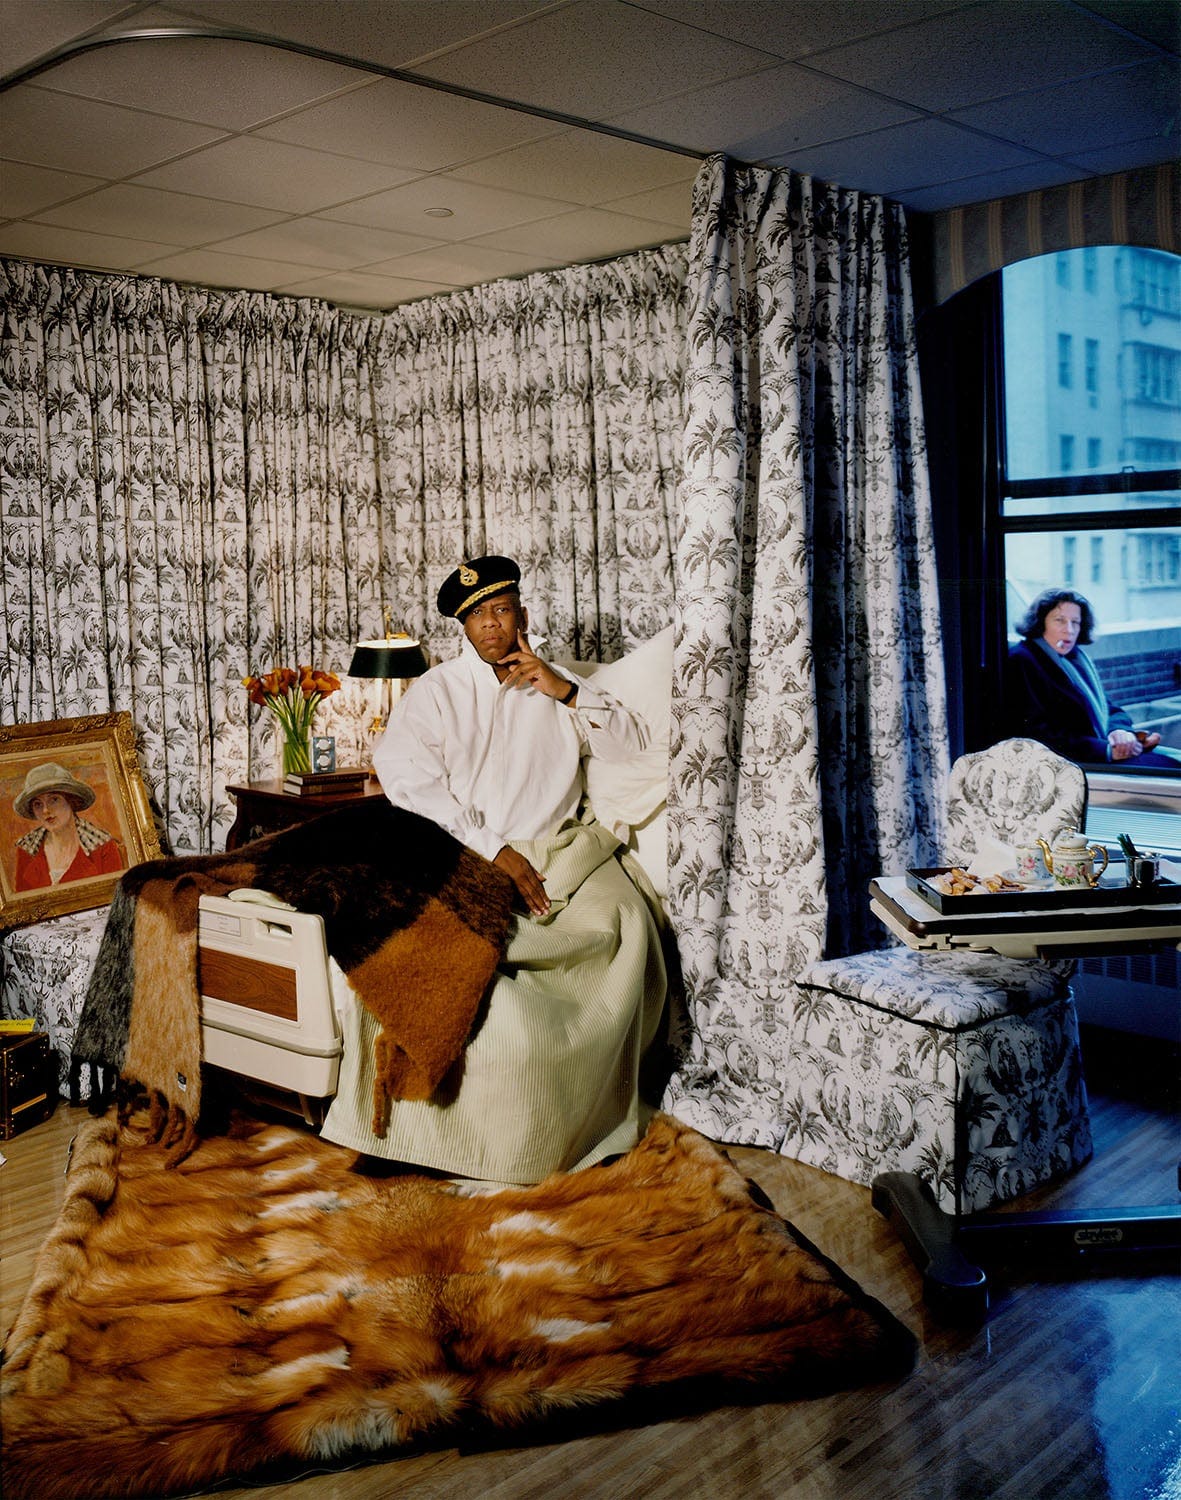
(915, 155)
(294, 179)
(581, 50)
(1128, 105)
(792, 30)
(1157, 21)
(583, 166)
(761, 116)
(230, 84)
(585, 234)
(25, 189)
(671, 205)
(360, 289)
(462, 265)
(391, 32)
(1153, 152)
(82, 135)
(150, 214)
(31, 30)
(407, 125)
(74, 247)
(594, 58)
(475, 210)
(983, 52)
(321, 242)
(986, 186)
(213, 268)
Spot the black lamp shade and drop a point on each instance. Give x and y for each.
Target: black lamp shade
(388, 659)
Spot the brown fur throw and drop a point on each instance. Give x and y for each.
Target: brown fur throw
(416, 921)
(267, 1304)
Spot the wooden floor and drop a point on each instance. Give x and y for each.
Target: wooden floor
(1070, 1389)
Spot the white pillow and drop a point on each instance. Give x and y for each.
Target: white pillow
(629, 793)
(626, 793)
(649, 844)
(643, 681)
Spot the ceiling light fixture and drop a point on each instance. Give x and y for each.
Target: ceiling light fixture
(439, 213)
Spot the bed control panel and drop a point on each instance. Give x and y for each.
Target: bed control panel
(266, 995)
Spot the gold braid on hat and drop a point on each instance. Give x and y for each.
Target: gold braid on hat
(489, 588)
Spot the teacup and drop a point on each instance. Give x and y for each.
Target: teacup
(1030, 864)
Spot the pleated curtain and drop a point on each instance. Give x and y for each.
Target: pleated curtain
(199, 484)
(810, 738)
(539, 419)
(189, 494)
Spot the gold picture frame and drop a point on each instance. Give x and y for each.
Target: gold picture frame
(91, 764)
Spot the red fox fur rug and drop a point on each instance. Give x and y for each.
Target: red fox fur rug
(269, 1302)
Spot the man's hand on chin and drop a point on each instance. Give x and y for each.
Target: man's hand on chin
(526, 879)
(524, 668)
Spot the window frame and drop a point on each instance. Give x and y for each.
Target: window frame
(961, 360)
(1123, 481)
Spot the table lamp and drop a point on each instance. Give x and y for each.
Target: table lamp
(393, 659)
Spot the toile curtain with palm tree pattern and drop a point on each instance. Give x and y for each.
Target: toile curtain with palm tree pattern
(199, 484)
(189, 493)
(541, 419)
(809, 720)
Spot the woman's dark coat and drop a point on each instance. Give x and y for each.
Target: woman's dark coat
(1043, 704)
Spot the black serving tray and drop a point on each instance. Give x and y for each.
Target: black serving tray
(1112, 890)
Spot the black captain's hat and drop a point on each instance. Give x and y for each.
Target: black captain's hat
(472, 582)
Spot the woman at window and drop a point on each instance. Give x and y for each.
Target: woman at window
(63, 847)
(1053, 693)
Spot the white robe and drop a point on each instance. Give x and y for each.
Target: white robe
(550, 1078)
(493, 764)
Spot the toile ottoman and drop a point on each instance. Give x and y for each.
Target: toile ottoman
(44, 972)
(963, 1068)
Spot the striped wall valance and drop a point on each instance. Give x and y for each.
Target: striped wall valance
(1141, 207)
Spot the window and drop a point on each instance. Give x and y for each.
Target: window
(1154, 281)
(1155, 374)
(1155, 453)
(1114, 532)
(1091, 372)
(1158, 560)
(1065, 377)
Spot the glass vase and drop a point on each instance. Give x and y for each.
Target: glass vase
(296, 751)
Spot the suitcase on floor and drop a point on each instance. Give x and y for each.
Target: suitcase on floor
(28, 1082)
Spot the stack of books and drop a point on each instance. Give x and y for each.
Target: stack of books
(325, 783)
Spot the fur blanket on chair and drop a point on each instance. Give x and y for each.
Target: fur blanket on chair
(416, 921)
(268, 1303)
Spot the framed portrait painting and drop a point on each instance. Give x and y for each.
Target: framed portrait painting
(74, 815)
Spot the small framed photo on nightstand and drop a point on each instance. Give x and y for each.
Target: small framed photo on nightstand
(323, 752)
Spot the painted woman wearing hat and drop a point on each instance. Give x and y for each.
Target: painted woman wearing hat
(64, 846)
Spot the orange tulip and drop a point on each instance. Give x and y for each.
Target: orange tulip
(292, 694)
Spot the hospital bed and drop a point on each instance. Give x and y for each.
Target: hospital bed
(270, 992)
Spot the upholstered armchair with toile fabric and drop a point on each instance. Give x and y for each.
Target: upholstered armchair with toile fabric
(963, 1067)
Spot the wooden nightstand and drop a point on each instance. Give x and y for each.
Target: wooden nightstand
(264, 807)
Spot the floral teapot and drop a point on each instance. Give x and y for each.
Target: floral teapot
(1071, 860)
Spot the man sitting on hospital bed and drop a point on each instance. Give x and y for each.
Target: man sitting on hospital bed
(491, 746)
